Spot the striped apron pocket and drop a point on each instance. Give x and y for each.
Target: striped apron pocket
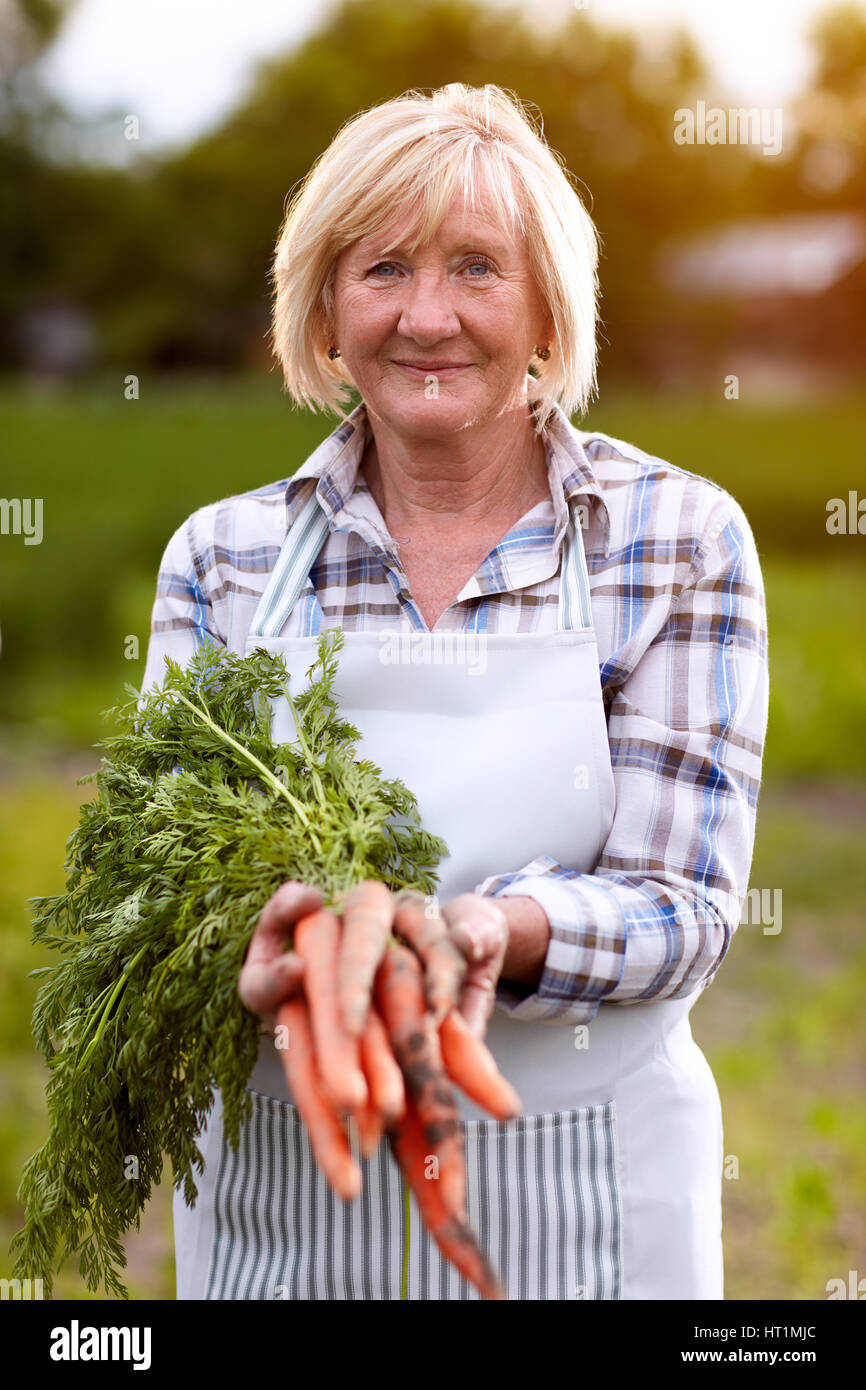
(281, 1233)
(542, 1197)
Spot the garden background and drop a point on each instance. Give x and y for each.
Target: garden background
(745, 369)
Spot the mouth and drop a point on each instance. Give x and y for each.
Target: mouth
(442, 369)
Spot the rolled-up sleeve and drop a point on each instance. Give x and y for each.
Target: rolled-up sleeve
(183, 615)
(686, 730)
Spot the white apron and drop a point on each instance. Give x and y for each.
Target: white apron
(608, 1186)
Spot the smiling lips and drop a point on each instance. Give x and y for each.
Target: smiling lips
(438, 368)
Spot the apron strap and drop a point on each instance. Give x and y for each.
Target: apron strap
(303, 542)
(306, 537)
(575, 610)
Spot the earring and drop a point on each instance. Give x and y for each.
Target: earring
(543, 353)
(333, 352)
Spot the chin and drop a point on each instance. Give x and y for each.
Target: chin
(442, 414)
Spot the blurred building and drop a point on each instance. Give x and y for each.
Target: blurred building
(54, 339)
(781, 301)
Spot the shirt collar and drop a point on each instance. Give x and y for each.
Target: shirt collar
(334, 464)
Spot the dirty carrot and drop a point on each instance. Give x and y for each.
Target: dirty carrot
(444, 963)
(327, 1137)
(452, 1234)
(317, 941)
(469, 1062)
(367, 912)
(400, 998)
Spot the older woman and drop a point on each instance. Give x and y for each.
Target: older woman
(585, 734)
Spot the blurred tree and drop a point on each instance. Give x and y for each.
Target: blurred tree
(27, 28)
(171, 257)
(831, 163)
(607, 104)
(39, 199)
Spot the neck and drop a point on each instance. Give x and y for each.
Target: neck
(459, 482)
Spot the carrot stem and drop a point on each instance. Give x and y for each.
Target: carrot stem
(404, 1283)
(269, 777)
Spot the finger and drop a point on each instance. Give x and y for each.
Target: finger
(368, 911)
(444, 962)
(479, 931)
(326, 1134)
(477, 1002)
(262, 985)
(370, 1125)
(338, 1054)
(279, 914)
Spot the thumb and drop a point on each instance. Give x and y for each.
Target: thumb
(262, 985)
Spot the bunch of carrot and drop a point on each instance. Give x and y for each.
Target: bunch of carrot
(377, 1038)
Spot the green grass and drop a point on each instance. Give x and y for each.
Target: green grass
(781, 1026)
(117, 477)
(37, 813)
(782, 462)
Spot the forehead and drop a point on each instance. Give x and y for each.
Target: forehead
(462, 227)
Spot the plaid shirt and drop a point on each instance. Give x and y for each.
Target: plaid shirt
(678, 609)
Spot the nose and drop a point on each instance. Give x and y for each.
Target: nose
(427, 309)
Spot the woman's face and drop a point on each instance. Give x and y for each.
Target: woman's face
(439, 339)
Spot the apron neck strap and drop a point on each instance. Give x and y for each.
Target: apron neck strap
(306, 537)
(575, 610)
(304, 540)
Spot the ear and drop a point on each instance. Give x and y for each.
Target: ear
(323, 331)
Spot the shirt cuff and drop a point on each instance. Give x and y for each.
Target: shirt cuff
(585, 954)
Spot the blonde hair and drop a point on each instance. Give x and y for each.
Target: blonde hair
(419, 151)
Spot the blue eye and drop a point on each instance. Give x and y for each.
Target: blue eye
(382, 267)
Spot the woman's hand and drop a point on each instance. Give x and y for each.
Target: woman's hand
(463, 949)
(479, 928)
(337, 1054)
(270, 974)
(466, 946)
(322, 991)
(469, 944)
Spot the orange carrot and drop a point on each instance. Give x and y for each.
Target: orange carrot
(368, 909)
(452, 1234)
(444, 963)
(469, 1062)
(400, 997)
(384, 1077)
(316, 941)
(327, 1137)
